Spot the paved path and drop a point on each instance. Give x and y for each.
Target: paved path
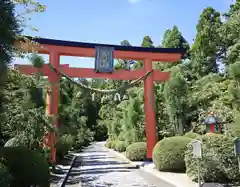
(101, 168)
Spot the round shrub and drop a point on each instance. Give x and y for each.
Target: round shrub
(113, 145)
(108, 144)
(120, 146)
(137, 151)
(168, 154)
(218, 163)
(192, 135)
(27, 168)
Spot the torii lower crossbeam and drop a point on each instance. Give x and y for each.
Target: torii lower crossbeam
(90, 73)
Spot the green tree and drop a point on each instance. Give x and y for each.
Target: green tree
(165, 39)
(206, 45)
(175, 91)
(174, 39)
(9, 29)
(146, 42)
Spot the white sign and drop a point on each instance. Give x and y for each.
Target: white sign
(197, 149)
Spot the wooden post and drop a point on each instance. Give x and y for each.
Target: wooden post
(52, 102)
(149, 104)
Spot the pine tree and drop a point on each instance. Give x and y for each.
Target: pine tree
(147, 42)
(206, 46)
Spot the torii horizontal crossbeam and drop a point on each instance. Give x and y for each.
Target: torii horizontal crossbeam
(72, 48)
(90, 73)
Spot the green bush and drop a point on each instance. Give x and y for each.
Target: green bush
(64, 144)
(5, 176)
(84, 137)
(234, 128)
(131, 136)
(28, 168)
(192, 135)
(218, 163)
(114, 145)
(120, 146)
(46, 153)
(121, 136)
(111, 144)
(108, 143)
(199, 129)
(100, 132)
(168, 154)
(137, 151)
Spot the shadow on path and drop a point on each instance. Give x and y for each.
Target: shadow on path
(59, 173)
(96, 157)
(94, 151)
(88, 169)
(94, 162)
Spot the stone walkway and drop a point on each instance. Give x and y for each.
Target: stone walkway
(101, 168)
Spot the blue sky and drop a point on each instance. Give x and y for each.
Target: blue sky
(110, 21)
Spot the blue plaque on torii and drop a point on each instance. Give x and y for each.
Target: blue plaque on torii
(104, 59)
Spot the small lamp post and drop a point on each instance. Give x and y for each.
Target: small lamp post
(210, 122)
(236, 142)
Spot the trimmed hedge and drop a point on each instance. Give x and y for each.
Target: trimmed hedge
(137, 151)
(218, 163)
(168, 154)
(26, 167)
(120, 146)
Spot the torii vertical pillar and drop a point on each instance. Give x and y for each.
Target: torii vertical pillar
(52, 103)
(149, 106)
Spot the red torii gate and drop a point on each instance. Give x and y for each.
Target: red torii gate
(56, 48)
